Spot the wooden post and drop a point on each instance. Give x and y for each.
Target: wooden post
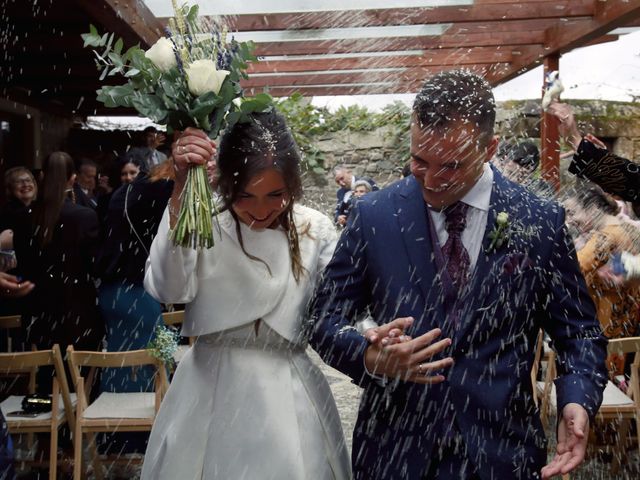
(549, 136)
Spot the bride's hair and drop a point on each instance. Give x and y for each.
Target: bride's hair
(251, 147)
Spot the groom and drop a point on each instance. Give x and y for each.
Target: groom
(458, 254)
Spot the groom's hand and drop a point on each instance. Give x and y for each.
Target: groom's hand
(389, 333)
(573, 436)
(409, 360)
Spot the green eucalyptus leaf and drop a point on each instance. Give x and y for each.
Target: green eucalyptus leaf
(91, 40)
(233, 118)
(204, 105)
(116, 59)
(116, 96)
(150, 106)
(178, 120)
(117, 48)
(217, 119)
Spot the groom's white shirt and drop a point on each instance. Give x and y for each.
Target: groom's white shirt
(478, 199)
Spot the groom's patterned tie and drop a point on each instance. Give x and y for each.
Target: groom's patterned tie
(456, 256)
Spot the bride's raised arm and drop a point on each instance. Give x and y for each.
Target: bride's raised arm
(171, 272)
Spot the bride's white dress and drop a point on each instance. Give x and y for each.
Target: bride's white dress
(245, 402)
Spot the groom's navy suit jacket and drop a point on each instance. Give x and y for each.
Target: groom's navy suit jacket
(384, 261)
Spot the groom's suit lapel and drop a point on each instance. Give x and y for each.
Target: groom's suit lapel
(412, 221)
(488, 265)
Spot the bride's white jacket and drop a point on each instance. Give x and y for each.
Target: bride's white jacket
(224, 288)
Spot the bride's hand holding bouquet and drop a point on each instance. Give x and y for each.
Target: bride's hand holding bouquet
(192, 148)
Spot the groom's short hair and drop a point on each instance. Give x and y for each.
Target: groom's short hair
(456, 95)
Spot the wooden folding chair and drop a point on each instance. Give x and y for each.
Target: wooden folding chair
(46, 422)
(112, 412)
(174, 319)
(542, 388)
(618, 406)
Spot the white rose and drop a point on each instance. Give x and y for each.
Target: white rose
(502, 219)
(204, 77)
(162, 55)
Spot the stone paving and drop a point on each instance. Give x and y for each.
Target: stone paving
(346, 394)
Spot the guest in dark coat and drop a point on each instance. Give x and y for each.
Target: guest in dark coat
(21, 190)
(614, 174)
(129, 166)
(55, 248)
(84, 187)
(131, 314)
(346, 181)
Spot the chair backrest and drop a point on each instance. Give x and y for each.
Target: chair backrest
(621, 346)
(629, 345)
(537, 357)
(173, 318)
(10, 322)
(131, 358)
(20, 361)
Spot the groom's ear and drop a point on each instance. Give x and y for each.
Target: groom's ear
(491, 148)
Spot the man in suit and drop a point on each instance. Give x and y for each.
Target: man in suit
(460, 268)
(84, 188)
(346, 181)
(153, 139)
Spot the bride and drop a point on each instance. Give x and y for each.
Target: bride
(246, 402)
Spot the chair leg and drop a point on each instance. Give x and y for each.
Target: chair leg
(53, 441)
(77, 449)
(53, 456)
(638, 430)
(619, 451)
(97, 464)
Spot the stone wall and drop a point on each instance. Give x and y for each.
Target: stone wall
(370, 153)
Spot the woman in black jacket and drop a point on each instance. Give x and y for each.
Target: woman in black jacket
(55, 246)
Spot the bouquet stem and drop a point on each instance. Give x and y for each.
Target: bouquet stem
(194, 227)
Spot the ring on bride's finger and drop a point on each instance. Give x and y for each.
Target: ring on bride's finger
(420, 367)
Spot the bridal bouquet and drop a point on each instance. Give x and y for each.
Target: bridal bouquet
(191, 78)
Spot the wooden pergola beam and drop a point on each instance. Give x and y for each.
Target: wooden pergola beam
(399, 79)
(612, 14)
(505, 40)
(471, 56)
(609, 15)
(478, 12)
(549, 135)
(345, 89)
(129, 19)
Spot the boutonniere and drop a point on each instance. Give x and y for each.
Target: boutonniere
(500, 234)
